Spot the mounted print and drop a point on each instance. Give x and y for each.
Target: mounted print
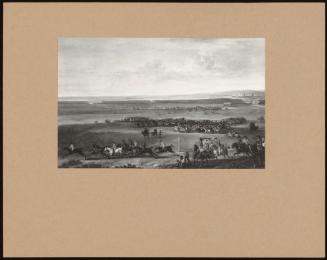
(161, 103)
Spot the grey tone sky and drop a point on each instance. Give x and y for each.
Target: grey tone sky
(159, 66)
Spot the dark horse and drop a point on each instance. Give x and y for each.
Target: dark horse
(75, 151)
(167, 148)
(200, 155)
(242, 148)
(149, 151)
(251, 151)
(145, 133)
(97, 149)
(154, 132)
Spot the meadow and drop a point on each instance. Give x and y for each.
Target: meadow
(85, 124)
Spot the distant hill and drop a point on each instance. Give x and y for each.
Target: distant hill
(234, 93)
(243, 92)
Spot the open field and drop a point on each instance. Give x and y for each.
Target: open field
(86, 135)
(88, 113)
(161, 102)
(84, 132)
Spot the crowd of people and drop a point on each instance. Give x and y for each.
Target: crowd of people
(206, 148)
(183, 161)
(212, 148)
(209, 127)
(148, 122)
(187, 125)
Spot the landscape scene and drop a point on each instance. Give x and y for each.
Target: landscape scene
(161, 103)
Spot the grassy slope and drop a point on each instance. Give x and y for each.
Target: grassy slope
(86, 135)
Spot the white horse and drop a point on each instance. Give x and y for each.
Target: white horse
(215, 153)
(119, 150)
(111, 151)
(108, 151)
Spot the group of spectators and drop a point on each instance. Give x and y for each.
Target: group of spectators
(188, 126)
(215, 148)
(148, 122)
(207, 126)
(183, 161)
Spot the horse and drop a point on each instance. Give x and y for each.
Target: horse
(119, 150)
(215, 153)
(154, 132)
(149, 150)
(224, 151)
(136, 150)
(249, 150)
(145, 133)
(199, 154)
(257, 155)
(78, 150)
(167, 148)
(242, 148)
(108, 151)
(97, 149)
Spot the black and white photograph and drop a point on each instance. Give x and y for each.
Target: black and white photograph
(161, 103)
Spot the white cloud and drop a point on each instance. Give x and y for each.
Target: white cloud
(160, 66)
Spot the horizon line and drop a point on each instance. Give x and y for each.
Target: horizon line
(165, 95)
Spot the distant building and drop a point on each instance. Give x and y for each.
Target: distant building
(227, 104)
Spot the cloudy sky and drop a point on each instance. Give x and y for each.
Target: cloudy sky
(159, 66)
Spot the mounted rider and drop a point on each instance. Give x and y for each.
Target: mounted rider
(71, 147)
(263, 142)
(239, 144)
(245, 140)
(162, 145)
(114, 146)
(260, 146)
(187, 158)
(259, 143)
(146, 131)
